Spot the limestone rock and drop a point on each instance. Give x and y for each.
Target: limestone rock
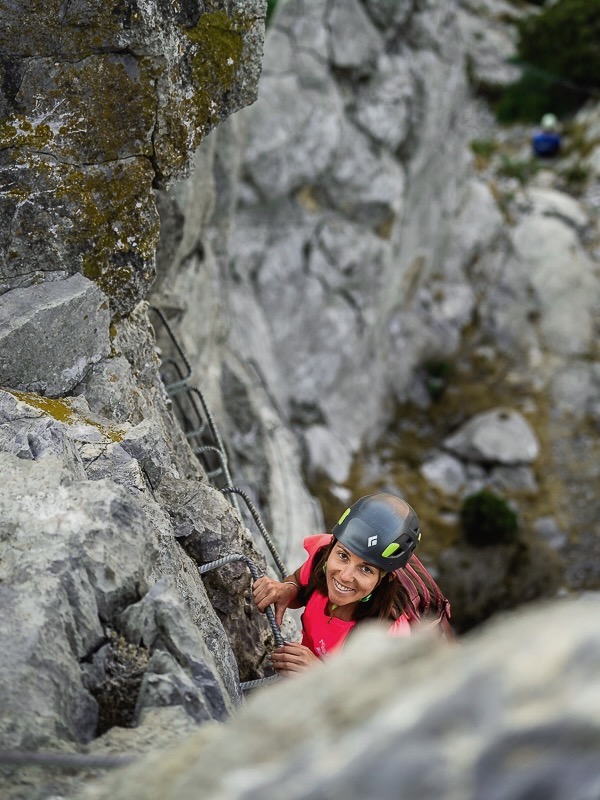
(510, 712)
(355, 43)
(384, 104)
(84, 561)
(390, 14)
(363, 186)
(51, 335)
(127, 388)
(445, 472)
(352, 215)
(274, 163)
(500, 436)
(79, 169)
(576, 389)
(551, 203)
(182, 671)
(491, 36)
(561, 278)
(328, 456)
(202, 518)
(204, 524)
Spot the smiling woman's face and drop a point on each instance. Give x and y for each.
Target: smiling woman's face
(349, 577)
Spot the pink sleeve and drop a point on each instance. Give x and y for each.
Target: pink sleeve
(401, 627)
(311, 545)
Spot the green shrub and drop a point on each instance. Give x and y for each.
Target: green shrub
(484, 148)
(487, 519)
(271, 5)
(576, 176)
(438, 372)
(521, 170)
(528, 99)
(560, 52)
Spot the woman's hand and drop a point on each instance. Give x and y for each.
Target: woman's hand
(267, 591)
(293, 658)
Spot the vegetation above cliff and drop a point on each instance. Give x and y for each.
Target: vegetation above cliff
(560, 52)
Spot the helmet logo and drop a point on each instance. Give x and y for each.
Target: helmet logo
(371, 541)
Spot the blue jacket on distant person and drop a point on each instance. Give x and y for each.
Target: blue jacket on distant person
(546, 142)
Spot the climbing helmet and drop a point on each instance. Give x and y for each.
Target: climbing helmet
(381, 528)
(549, 122)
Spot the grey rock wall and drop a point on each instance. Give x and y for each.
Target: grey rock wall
(364, 244)
(51, 334)
(105, 617)
(353, 169)
(512, 712)
(106, 623)
(100, 104)
(193, 291)
(375, 243)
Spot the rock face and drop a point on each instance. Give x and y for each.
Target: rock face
(369, 244)
(106, 621)
(495, 718)
(498, 436)
(105, 616)
(364, 246)
(52, 334)
(348, 174)
(99, 105)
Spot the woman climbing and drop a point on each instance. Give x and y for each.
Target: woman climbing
(365, 570)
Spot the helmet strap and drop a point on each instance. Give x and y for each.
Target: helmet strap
(370, 595)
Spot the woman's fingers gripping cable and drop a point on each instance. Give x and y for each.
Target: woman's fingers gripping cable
(266, 592)
(293, 658)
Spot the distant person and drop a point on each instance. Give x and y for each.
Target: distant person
(364, 570)
(546, 142)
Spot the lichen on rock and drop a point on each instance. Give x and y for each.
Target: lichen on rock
(101, 105)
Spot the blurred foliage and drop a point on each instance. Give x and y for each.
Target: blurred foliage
(484, 147)
(576, 176)
(271, 5)
(487, 519)
(559, 48)
(523, 170)
(438, 372)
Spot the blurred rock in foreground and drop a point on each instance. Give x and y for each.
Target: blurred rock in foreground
(513, 712)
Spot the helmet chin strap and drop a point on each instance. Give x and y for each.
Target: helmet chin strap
(370, 595)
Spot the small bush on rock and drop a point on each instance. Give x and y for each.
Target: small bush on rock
(124, 665)
(488, 519)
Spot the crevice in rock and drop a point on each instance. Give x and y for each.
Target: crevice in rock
(113, 677)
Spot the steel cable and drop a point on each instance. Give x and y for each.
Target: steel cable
(255, 515)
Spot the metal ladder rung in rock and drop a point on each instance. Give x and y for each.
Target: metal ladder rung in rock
(175, 389)
(195, 432)
(270, 614)
(191, 410)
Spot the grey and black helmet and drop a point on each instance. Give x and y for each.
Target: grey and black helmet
(381, 528)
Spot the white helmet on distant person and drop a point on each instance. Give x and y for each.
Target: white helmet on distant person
(549, 122)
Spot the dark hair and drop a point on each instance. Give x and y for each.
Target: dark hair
(410, 591)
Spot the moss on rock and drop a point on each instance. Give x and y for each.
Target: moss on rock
(63, 410)
(213, 59)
